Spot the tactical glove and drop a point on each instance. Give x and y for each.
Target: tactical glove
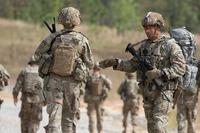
(153, 74)
(107, 63)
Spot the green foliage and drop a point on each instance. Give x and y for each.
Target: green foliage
(29, 10)
(122, 14)
(125, 14)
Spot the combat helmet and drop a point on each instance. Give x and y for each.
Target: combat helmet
(69, 16)
(96, 66)
(153, 18)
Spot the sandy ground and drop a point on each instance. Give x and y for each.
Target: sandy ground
(10, 122)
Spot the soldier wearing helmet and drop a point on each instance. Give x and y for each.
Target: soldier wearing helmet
(69, 17)
(158, 84)
(153, 18)
(30, 84)
(129, 93)
(97, 88)
(64, 62)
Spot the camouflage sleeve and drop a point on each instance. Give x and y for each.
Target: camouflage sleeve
(87, 54)
(19, 84)
(177, 61)
(44, 46)
(4, 71)
(107, 82)
(126, 65)
(120, 89)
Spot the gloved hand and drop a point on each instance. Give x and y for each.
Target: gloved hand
(153, 74)
(107, 63)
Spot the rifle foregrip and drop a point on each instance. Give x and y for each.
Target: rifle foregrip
(128, 47)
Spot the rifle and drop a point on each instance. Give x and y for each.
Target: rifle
(145, 65)
(52, 29)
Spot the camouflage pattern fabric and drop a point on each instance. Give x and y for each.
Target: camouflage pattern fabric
(128, 90)
(31, 108)
(167, 56)
(95, 108)
(187, 112)
(4, 76)
(63, 92)
(187, 108)
(31, 115)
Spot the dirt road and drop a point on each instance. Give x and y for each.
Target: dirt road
(10, 123)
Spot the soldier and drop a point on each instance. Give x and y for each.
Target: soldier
(128, 91)
(187, 101)
(97, 88)
(65, 59)
(30, 85)
(187, 108)
(4, 76)
(157, 84)
(187, 112)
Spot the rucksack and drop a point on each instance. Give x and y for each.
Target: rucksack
(96, 86)
(186, 41)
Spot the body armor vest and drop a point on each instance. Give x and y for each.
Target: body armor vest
(130, 89)
(32, 81)
(64, 55)
(96, 86)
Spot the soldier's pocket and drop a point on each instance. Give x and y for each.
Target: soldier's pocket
(80, 72)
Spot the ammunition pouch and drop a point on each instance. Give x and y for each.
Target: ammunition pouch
(44, 65)
(80, 73)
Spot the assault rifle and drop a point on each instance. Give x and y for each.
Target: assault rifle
(145, 65)
(51, 28)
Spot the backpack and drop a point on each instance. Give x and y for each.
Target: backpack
(96, 86)
(32, 81)
(130, 88)
(186, 41)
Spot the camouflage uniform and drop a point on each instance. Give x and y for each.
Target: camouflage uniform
(30, 85)
(187, 108)
(97, 88)
(129, 90)
(187, 112)
(169, 64)
(4, 76)
(63, 91)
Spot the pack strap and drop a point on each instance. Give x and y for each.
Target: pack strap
(54, 39)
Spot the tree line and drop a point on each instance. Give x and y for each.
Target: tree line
(122, 14)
